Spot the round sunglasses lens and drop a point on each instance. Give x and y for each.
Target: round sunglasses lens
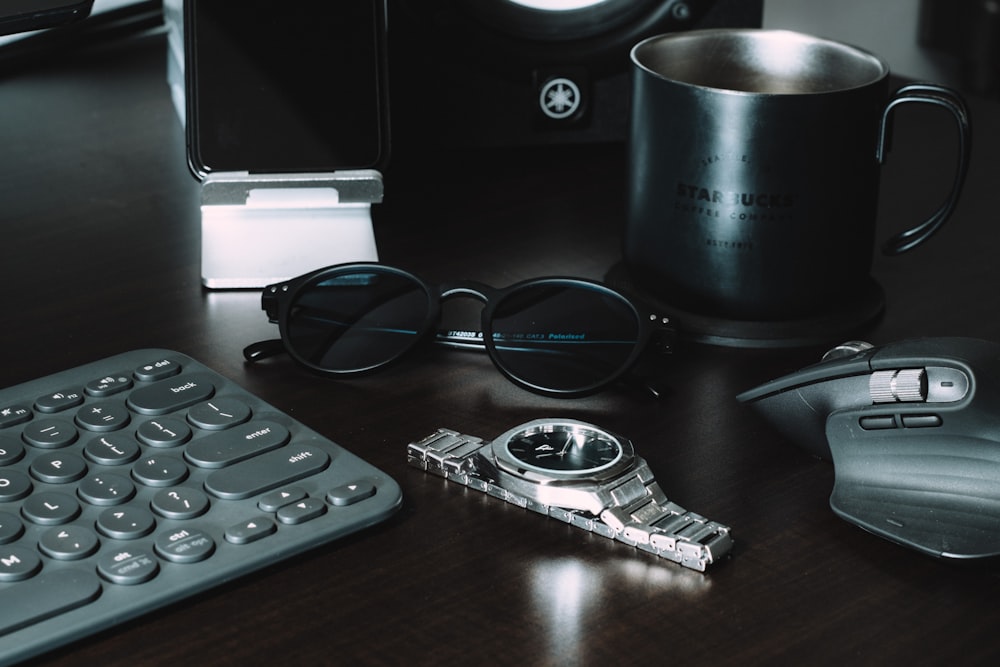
(355, 321)
(564, 337)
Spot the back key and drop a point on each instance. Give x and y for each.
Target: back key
(171, 394)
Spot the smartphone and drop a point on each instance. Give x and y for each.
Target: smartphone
(279, 86)
(24, 15)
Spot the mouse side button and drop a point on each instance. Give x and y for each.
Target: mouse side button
(946, 385)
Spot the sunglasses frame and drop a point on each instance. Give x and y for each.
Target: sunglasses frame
(277, 301)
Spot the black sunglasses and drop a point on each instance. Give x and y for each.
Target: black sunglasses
(563, 337)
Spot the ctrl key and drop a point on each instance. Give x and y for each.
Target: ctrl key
(50, 593)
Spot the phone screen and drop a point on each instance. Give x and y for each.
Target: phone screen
(293, 86)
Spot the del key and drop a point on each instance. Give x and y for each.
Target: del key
(171, 394)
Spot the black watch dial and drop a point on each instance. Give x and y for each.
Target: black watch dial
(565, 447)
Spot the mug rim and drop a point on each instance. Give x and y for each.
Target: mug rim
(881, 67)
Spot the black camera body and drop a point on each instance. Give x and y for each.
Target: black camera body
(510, 72)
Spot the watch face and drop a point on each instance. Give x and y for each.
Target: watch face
(565, 448)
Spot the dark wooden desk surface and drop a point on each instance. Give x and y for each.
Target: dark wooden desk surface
(100, 254)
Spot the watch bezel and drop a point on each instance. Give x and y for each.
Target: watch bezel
(512, 465)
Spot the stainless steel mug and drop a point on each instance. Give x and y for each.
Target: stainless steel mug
(754, 160)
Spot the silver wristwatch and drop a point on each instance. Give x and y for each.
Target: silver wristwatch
(580, 474)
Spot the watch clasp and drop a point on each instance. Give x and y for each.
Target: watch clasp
(445, 453)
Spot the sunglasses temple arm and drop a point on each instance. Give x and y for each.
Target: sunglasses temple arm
(464, 340)
(650, 372)
(263, 349)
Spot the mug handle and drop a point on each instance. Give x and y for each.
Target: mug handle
(928, 93)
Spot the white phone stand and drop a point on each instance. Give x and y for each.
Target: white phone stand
(259, 229)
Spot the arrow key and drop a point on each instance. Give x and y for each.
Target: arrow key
(250, 530)
(275, 500)
(348, 494)
(302, 511)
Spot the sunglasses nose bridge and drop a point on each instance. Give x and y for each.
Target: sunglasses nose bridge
(477, 291)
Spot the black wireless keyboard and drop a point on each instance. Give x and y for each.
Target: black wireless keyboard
(130, 483)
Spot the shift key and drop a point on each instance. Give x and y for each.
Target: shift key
(267, 471)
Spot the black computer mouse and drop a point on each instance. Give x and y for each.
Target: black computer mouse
(913, 431)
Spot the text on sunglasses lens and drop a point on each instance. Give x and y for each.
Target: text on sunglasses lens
(564, 336)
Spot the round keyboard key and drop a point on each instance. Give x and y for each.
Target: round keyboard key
(10, 450)
(128, 566)
(68, 542)
(18, 563)
(103, 417)
(164, 432)
(186, 545)
(159, 471)
(129, 522)
(181, 502)
(114, 449)
(50, 509)
(11, 528)
(219, 413)
(13, 485)
(58, 468)
(106, 489)
(49, 433)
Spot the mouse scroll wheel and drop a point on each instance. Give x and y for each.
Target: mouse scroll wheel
(848, 349)
(908, 385)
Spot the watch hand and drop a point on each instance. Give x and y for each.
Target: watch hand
(569, 441)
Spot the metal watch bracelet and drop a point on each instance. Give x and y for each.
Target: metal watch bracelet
(641, 516)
